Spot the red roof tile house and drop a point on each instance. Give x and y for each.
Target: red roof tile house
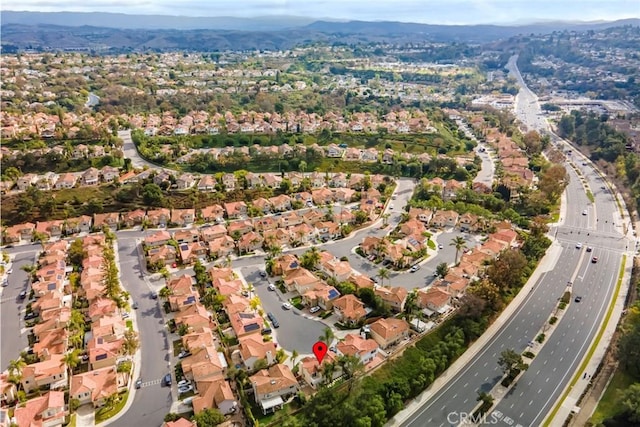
(159, 217)
(395, 297)
(321, 295)
(301, 280)
(253, 348)
(388, 332)
(157, 239)
(96, 386)
(111, 220)
(194, 316)
(442, 219)
(334, 267)
(204, 364)
(271, 386)
(213, 213)
(210, 233)
(355, 345)
(246, 323)
(183, 217)
(235, 209)
(434, 300)
(46, 411)
(103, 353)
(349, 309)
(312, 372)
(217, 394)
(50, 373)
(191, 252)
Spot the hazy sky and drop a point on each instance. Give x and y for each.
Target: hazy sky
(425, 11)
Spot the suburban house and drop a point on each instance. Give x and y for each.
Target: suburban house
(434, 300)
(395, 297)
(47, 410)
(214, 393)
(272, 386)
(159, 217)
(442, 219)
(213, 213)
(96, 386)
(51, 373)
(312, 371)
(183, 217)
(355, 345)
(91, 177)
(111, 220)
(133, 218)
(235, 209)
(157, 239)
(349, 309)
(207, 183)
(388, 332)
(334, 267)
(253, 348)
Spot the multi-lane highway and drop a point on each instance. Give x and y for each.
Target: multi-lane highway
(532, 397)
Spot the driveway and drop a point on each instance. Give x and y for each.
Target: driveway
(85, 416)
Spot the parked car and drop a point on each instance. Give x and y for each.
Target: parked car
(594, 259)
(314, 309)
(578, 245)
(166, 380)
(414, 268)
(135, 306)
(183, 383)
(185, 389)
(286, 306)
(440, 246)
(271, 287)
(154, 295)
(263, 273)
(125, 315)
(22, 295)
(589, 248)
(138, 383)
(9, 271)
(266, 331)
(30, 315)
(183, 354)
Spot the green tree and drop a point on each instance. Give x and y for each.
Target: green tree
(511, 362)
(459, 244)
(631, 402)
(152, 195)
(383, 274)
(131, 342)
(442, 269)
(310, 258)
(327, 336)
(71, 359)
(508, 270)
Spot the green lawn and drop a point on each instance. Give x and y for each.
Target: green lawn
(610, 405)
(105, 413)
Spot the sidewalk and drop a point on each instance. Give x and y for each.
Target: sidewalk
(546, 264)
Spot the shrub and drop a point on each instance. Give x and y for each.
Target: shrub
(562, 305)
(540, 338)
(528, 354)
(553, 320)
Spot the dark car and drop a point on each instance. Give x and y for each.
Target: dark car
(135, 306)
(30, 315)
(274, 321)
(594, 259)
(166, 380)
(138, 383)
(578, 299)
(22, 295)
(154, 295)
(266, 331)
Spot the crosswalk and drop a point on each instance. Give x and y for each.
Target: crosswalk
(150, 383)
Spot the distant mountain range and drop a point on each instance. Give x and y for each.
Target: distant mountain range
(118, 32)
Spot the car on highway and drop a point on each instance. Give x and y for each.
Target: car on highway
(594, 259)
(578, 298)
(578, 245)
(286, 306)
(138, 383)
(314, 309)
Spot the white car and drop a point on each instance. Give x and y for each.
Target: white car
(271, 287)
(286, 306)
(584, 212)
(314, 309)
(414, 268)
(578, 245)
(185, 389)
(440, 246)
(184, 383)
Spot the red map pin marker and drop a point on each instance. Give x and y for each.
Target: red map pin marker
(319, 349)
